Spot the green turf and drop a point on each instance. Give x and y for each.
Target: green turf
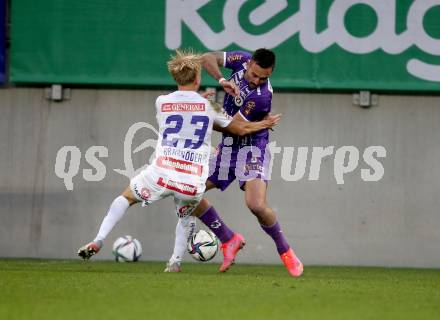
(51, 289)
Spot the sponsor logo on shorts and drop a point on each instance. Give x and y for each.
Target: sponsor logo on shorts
(183, 188)
(144, 193)
(183, 107)
(185, 211)
(180, 165)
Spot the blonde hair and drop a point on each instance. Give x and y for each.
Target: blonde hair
(185, 66)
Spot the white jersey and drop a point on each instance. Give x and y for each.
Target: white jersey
(180, 167)
(185, 122)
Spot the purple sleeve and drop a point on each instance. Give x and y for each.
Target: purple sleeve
(255, 109)
(235, 59)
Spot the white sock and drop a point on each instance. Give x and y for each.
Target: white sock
(184, 231)
(117, 209)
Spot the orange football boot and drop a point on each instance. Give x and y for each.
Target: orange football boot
(292, 263)
(230, 250)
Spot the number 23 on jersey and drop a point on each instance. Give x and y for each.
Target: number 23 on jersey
(198, 125)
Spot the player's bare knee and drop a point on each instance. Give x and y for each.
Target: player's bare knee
(201, 208)
(128, 194)
(257, 206)
(131, 201)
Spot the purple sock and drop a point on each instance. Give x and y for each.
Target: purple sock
(277, 235)
(216, 224)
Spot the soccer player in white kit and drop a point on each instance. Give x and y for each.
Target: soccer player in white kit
(180, 168)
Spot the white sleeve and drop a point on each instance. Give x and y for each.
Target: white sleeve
(222, 119)
(158, 103)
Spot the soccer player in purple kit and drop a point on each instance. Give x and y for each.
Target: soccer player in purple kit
(249, 93)
(180, 167)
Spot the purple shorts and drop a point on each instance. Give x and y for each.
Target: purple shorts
(245, 163)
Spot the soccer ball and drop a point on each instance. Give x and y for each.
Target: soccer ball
(127, 249)
(203, 245)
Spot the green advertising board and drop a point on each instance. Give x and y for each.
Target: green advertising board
(320, 44)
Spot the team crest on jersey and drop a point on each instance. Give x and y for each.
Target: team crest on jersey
(238, 101)
(249, 107)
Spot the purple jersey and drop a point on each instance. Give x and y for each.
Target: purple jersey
(243, 158)
(253, 104)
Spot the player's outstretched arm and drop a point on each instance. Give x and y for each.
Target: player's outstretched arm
(211, 62)
(239, 126)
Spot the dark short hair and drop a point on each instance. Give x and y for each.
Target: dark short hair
(264, 58)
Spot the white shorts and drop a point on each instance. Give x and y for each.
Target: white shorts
(151, 185)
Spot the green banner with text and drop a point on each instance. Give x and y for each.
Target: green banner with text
(320, 44)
